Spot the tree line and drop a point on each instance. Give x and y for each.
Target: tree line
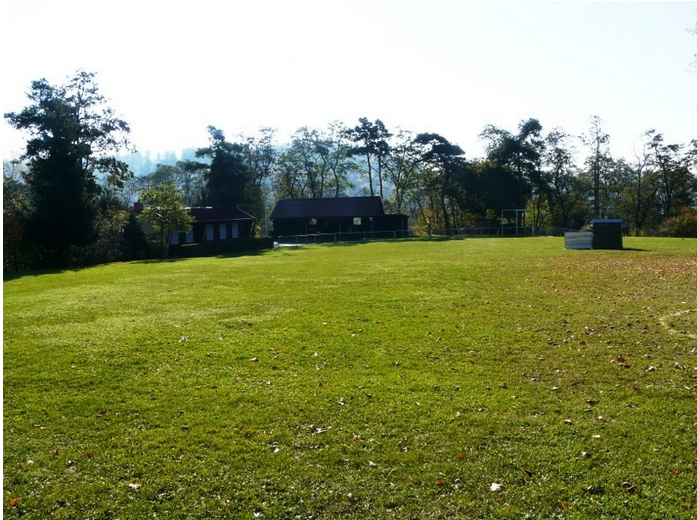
(66, 201)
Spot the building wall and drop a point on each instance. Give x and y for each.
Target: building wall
(306, 226)
(213, 232)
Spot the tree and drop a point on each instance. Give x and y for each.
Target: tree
(677, 186)
(260, 156)
(228, 175)
(442, 163)
(309, 163)
(566, 195)
(489, 188)
(401, 169)
(164, 211)
(597, 141)
(17, 253)
(521, 153)
(370, 141)
(72, 135)
(336, 150)
(190, 179)
(133, 241)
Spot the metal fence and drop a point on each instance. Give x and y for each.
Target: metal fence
(361, 236)
(511, 231)
(327, 238)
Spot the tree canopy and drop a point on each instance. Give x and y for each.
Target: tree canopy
(72, 137)
(70, 190)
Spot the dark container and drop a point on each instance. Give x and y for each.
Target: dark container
(607, 233)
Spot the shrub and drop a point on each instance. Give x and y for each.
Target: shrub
(682, 225)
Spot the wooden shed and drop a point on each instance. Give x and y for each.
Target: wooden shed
(216, 223)
(341, 215)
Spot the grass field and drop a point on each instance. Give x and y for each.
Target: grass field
(480, 378)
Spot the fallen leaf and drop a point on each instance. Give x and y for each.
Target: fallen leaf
(134, 486)
(15, 502)
(496, 487)
(629, 487)
(460, 455)
(90, 454)
(440, 482)
(415, 481)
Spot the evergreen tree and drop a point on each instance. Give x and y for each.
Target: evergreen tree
(71, 132)
(228, 175)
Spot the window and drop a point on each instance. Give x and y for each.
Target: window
(235, 230)
(209, 232)
(223, 231)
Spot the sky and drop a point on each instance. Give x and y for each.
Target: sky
(172, 68)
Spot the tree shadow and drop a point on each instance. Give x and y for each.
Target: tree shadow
(8, 276)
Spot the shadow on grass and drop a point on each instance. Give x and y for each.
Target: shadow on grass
(8, 276)
(348, 243)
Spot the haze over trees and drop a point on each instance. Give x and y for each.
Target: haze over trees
(66, 201)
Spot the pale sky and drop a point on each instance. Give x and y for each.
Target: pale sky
(171, 68)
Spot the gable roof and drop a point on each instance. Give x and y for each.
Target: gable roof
(328, 207)
(218, 213)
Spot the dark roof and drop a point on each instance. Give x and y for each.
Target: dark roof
(218, 214)
(329, 207)
(607, 221)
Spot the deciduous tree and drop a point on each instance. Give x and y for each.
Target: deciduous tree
(164, 212)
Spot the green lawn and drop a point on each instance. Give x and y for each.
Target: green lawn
(479, 378)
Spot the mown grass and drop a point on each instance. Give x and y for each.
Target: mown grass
(379, 380)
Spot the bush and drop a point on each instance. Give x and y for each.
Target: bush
(683, 225)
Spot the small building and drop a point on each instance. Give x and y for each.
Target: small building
(217, 223)
(344, 216)
(607, 233)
